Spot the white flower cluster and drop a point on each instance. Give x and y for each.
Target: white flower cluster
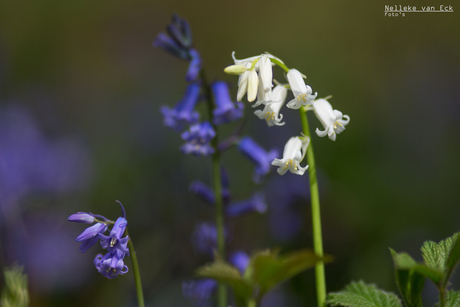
(256, 79)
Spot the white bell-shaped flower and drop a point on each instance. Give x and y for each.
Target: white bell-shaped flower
(333, 121)
(271, 111)
(294, 152)
(302, 93)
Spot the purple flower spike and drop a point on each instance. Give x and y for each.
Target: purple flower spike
(198, 139)
(89, 236)
(184, 112)
(261, 158)
(169, 45)
(111, 264)
(255, 204)
(226, 110)
(181, 32)
(114, 242)
(81, 217)
(240, 260)
(199, 292)
(194, 67)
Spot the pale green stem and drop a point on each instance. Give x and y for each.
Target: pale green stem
(252, 303)
(442, 296)
(315, 214)
(217, 186)
(136, 273)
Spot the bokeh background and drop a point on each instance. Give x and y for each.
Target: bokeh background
(80, 127)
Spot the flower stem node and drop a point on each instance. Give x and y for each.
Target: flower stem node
(294, 152)
(333, 121)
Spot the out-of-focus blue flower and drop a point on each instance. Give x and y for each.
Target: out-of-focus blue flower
(111, 264)
(198, 139)
(89, 236)
(179, 43)
(204, 238)
(226, 110)
(184, 112)
(255, 204)
(115, 242)
(206, 193)
(194, 67)
(199, 292)
(32, 163)
(240, 260)
(261, 158)
(81, 217)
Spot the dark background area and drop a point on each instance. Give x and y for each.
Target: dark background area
(83, 78)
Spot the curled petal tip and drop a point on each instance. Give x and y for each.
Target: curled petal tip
(123, 212)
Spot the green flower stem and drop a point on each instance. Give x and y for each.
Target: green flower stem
(280, 64)
(137, 275)
(442, 296)
(252, 303)
(315, 214)
(217, 186)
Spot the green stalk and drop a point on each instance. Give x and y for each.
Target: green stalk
(442, 296)
(137, 275)
(217, 186)
(315, 214)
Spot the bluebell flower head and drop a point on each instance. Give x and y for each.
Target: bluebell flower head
(89, 236)
(195, 65)
(111, 264)
(180, 31)
(226, 110)
(261, 158)
(198, 138)
(184, 112)
(240, 260)
(115, 242)
(199, 292)
(81, 217)
(255, 204)
(204, 238)
(171, 46)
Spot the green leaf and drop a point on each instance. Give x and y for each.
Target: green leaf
(404, 261)
(452, 299)
(225, 273)
(410, 282)
(358, 294)
(268, 269)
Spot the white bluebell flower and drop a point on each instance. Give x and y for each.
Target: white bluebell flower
(294, 152)
(333, 121)
(271, 111)
(302, 93)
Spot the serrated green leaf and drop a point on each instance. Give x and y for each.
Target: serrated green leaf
(225, 273)
(404, 261)
(452, 299)
(358, 294)
(410, 282)
(270, 269)
(436, 254)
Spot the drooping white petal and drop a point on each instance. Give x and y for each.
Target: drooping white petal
(242, 85)
(253, 83)
(302, 93)
(266, 72)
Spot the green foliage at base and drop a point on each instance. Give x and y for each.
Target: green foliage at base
(15, 293)
(359, 294)
(452, 300)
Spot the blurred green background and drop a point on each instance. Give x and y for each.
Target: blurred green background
(87, 69)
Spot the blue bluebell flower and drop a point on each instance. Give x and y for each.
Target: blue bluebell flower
(199, 292)
(195, 65)
(115, 242)
(111, 264)
(198, 140)
(184, 112)
(180, 31)
(89, 236)
(255, 204)
(206, 193)
(169, 45)
(204, 238)
(240, 260)
(261, 158)
(81, 217)
(226, 110)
